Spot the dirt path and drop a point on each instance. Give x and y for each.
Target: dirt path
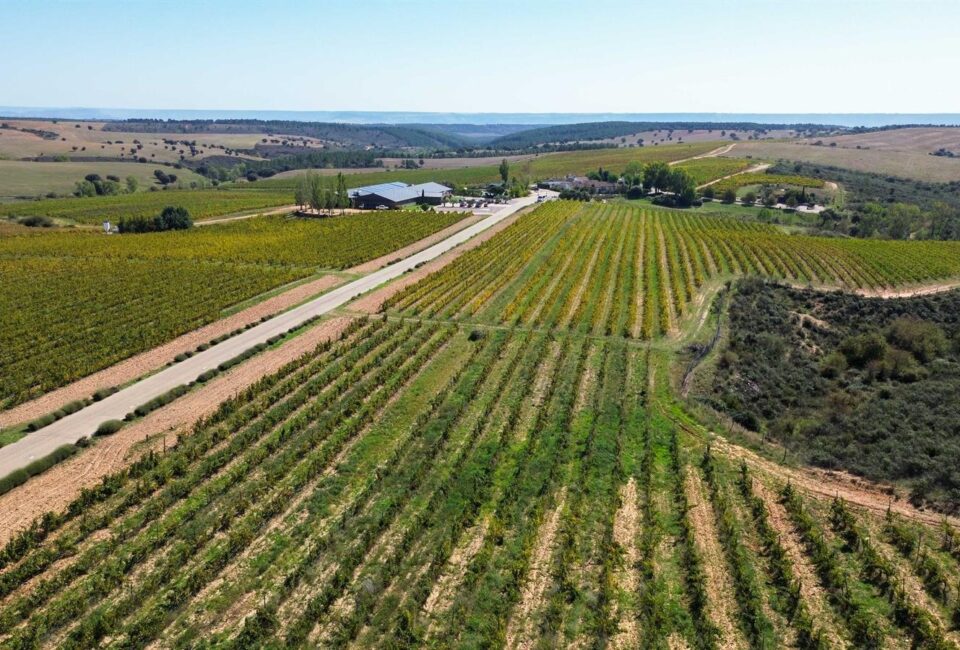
(151, 360)
(58, 486)
(749, 170)
(719, 151)
(247, 215)
(911, 292)
(829, 484)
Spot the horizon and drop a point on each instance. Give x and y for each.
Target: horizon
(367, 117)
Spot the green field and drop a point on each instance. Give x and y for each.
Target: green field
(19, 179)
(76, 302)
(491, 464)
(202, 204)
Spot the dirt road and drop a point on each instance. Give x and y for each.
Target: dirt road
(719, 151)
(84, 422)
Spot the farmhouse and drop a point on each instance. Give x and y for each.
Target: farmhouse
(397, 194)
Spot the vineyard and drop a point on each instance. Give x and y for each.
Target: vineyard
(760, 178)
(431, 483)
(614, 269)
(76, 302)
(704, 170)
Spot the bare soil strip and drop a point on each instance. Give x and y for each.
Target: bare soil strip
(520, 630)
(146, 362)
(57, 487)
(626, 530)
(722, 604)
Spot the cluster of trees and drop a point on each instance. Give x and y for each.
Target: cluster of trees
(164, 178)
(886, 206)
(321, 194)
(895, 221)
(867, 385)
(94, 185)
(172, 218)
(671, 186)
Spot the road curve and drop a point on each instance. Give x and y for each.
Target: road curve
(84, 422)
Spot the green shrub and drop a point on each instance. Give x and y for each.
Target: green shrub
(108, 428)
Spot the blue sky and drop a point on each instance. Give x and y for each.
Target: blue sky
(476, 55)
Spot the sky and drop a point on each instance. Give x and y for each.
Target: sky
(760, 56)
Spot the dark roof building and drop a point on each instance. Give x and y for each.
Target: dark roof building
(397, 193)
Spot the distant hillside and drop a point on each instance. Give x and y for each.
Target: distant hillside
(382, 136)
(587, 131)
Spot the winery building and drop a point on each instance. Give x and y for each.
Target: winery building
(396, 194)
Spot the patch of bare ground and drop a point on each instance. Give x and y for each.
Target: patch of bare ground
(626, 529)
(521, 632)
(417, 246)
(677, 642)
(811, 590)
(58, 486)
(722, 600)
(372, 302)
(151, 360)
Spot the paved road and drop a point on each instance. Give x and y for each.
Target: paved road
(84, 422)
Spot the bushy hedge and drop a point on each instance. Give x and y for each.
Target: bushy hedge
(40, 465)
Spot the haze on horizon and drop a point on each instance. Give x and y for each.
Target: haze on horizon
(758, 56)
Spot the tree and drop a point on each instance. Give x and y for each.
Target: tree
(342, 198)
(504, 170)
(132, 184)
(175, 218)
(300, 194)
(85, 188)
(749, 198)
(633, 173)
(729, 196)
(656, 176)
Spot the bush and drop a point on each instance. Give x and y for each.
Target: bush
(108, 428)
(172, 218)
(41, 422)
(40, 465)
(36, 222)
(925, 340)
(103, 393)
